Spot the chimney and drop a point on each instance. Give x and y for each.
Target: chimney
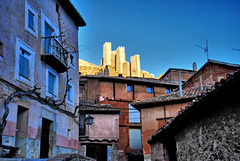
(106, 71)
(194, 67)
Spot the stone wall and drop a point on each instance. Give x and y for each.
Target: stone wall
(215, 137)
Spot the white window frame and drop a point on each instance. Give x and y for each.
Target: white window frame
(55, 93)
(21, 45)
(71, 102)
(46, 19)
(28, 7)
(134, 115)
(74, 60)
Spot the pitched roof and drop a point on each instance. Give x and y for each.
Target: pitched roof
(173, 96)
(177, 69)
(131, 79)
(89, 107)
(210, 62)
(72, 12)
(227, 91)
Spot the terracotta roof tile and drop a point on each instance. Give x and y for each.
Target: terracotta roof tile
(173, 96)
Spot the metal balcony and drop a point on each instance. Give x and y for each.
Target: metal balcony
(54, 54)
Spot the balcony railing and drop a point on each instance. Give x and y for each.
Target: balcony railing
(54, 54)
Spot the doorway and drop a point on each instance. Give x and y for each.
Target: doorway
(21, 126)
(97, 151)
(45, 138)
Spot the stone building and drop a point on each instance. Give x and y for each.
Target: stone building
(99, 140)
(206, 129)
(116, 63)
(38, 63)
(119, 92)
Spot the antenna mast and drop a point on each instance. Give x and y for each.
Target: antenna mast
(205, 49)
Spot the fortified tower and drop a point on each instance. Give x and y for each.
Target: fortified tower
(107, 49)
(135, 66)
(120, 59)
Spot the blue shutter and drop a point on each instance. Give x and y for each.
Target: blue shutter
(48, 33)
(30, 20)
(51, 79)
(69, 93)
(24, 67)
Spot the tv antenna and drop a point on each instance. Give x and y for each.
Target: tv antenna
(205, 49)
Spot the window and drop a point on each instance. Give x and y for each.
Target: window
(52, 83)
(31, 20)
(134, 115)
(135, 138)
(24, 70)
(167, 90)
(49, 28)
(129, 88)
(70, 93)
(149, 89)
(24, 63)
(72, 60)
(51, 80)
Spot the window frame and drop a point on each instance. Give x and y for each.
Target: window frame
(49, 70)
(30, 9)
(72, 65)
(71, 102)
(20, 45)
(25, 55)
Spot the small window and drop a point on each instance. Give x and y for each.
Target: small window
(24, 70)
(31, 20)
(72, 60)
(167, 90)
(51, 81)
(135, 138)
(149, 90)
(129, 88)
(1, 48)
(24, 64)
(70, 93)
(69, 134)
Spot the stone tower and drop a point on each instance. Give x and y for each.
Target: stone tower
(120, 59)
(135, 66)
(107, 49)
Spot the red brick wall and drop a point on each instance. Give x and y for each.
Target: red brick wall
(210, 74)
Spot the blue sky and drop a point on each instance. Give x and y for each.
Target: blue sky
(163, 32)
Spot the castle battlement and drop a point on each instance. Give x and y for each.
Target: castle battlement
(117, 64)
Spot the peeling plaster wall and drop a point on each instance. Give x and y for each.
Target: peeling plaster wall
(214, 137)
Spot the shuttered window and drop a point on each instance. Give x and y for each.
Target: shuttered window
(24, 64)
(51, 81)
(30, 20)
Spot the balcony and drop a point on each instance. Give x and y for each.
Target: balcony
(54, 54)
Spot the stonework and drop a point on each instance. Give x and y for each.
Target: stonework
(116, 63)
(213, 138)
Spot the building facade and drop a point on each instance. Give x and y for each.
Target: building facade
(99, 139)
(119, 92)
(39, 76)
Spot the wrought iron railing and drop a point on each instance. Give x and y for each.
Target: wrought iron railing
(52, 46)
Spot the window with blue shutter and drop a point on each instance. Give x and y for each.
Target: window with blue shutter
(134, 115)
(30, 20)
(48, 33)
(69, 93)
(24, 64)
(51, 81)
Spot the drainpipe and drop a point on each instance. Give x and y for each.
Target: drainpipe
(201, 86)
(180, 83)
